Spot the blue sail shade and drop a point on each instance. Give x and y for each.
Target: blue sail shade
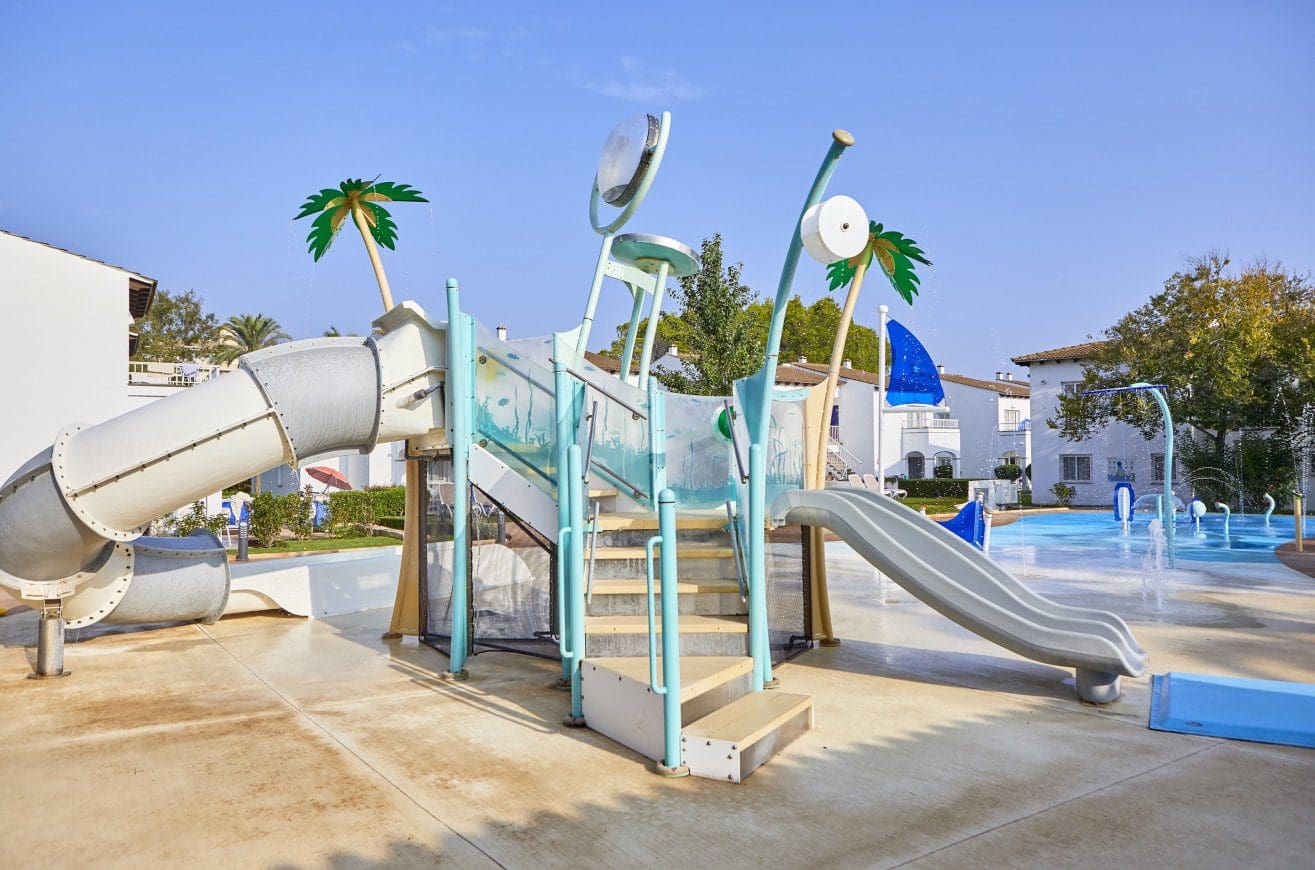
(913, 377)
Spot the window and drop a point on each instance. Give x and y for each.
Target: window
(917, 465)
(1010, 418)
(1070, 388)
(1010, 458)
(1157, 468)
(1075, 469)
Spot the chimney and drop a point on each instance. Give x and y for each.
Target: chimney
(940, 369)
(502, 332)
(849, 364)
(673, 350)
(802, 359)
(999, 376)
(1009, 376)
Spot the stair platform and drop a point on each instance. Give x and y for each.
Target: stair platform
(732, 742)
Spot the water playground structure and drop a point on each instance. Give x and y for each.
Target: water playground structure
(680, 536)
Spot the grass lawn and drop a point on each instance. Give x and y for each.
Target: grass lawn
(933, 505)
(313, 544)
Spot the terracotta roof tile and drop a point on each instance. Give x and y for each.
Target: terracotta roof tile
(1085, 350)
(1016, 389)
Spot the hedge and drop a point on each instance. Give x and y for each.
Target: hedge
(955, 487)
(387, 501)
(351, 509)
(391, 522)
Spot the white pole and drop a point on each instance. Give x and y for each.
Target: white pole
(882, 311)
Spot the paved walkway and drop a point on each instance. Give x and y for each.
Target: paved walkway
(280, 742)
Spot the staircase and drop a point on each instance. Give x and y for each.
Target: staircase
(728, 730)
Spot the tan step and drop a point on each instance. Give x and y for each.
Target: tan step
(693, 551)
(619, 703)
(603, 492)
(634, 522)
(684, 587)
(734, 741)
(698, 674)
(689, 624)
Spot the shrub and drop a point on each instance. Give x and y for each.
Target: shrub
(954, 487)
(387, 501)
(1008, 472)
(266, 519)
(194, 519)
(296, 508)
(351, 512)
(943, 472)
(1063, 493)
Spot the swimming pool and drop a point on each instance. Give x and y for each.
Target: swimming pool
(1249, 539)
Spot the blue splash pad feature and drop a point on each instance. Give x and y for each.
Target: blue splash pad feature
(1263, 711)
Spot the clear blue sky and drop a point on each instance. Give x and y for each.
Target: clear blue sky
(1056, 163)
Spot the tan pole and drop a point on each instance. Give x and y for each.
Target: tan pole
(1298, 521)
(358, 215)
(833, 375)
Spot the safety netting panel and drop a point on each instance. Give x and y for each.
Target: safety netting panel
(514, 415)
(509, 579)
(789, 614)
(700, 461)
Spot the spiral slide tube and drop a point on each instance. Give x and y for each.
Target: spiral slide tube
(71, 517)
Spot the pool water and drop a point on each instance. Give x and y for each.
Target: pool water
(1249, 538)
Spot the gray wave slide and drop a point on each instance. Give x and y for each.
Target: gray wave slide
(956, 579)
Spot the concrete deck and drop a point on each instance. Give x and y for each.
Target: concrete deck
(282, 742)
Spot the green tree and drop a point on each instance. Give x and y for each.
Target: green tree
(722, 340)
(1237, 351)
(177, 329)
(243, 333)
(360, 199)
(810, 331)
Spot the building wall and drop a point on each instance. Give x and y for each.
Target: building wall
(65, 351)
(1115, 441)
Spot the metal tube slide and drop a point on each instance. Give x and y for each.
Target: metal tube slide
(964, 585)
(67, 515)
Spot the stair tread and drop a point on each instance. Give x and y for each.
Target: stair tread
(602, 492)
(698, 674)
(748, 718)
(622, 521)
(640, 587)
(683, 551)
(690, 623)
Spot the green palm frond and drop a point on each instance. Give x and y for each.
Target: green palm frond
(331, 207)
(893, 251)
(381, 224)
(388, 191)
(896, 254)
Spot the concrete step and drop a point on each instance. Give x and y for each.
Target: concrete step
(619, 703)
(695, 561)
(627, 635)
(630, 597)
(735, 740)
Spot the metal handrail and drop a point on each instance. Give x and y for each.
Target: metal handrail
(637, 491)
(739, 550)
(561, 594)
(593, 549)
(589, 445)
(638, 412)
(652, 627)
(735, 440)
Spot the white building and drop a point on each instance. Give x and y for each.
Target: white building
(914, 442)
(1092, 467)
(994, 421)
(68, 337)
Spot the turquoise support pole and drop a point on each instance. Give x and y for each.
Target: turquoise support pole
(657, 441)
(563, 397)
(632, 331)
(573, 491)
(654, 315)
(459, 363)
(672, 765)
(759, 424)
(587, 324)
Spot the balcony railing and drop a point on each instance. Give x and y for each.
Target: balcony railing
(931, 423)
(156, 374)
(1014, 428)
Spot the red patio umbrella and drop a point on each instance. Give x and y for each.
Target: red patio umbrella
(328, 476)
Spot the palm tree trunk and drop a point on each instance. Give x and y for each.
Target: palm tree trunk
(833, 371)
(358, 215)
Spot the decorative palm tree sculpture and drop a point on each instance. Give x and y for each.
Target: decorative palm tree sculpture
(896, 254)
(243, 333)
(361, 200)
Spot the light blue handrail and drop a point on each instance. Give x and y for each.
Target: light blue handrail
(652, 617)
(562, 628)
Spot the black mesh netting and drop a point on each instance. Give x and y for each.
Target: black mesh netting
(510, 579)
(789, 616)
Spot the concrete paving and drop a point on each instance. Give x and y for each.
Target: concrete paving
(280, 742)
